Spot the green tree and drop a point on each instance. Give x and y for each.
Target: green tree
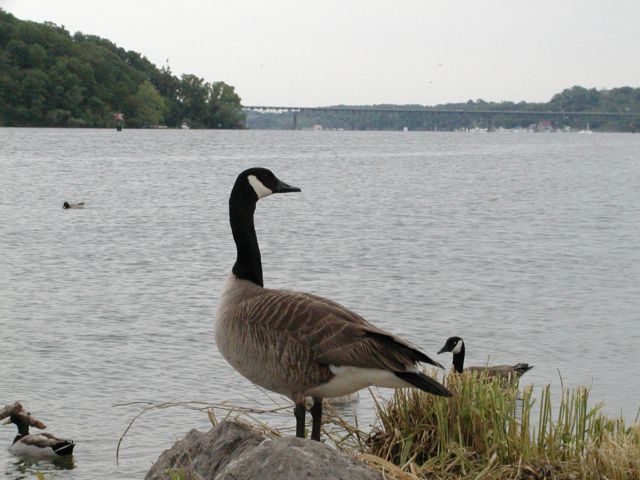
(576, 99)
(50, 77)
(225, 107)
(148, 106)
(192, 95)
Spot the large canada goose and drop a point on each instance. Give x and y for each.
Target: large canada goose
(44, 445)
(298, 344)
(455, 345)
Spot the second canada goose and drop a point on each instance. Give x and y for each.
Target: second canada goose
(455, 345)
(67, 205)
(298, 344)
(43, 445)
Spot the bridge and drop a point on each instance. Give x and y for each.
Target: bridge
(487, 115)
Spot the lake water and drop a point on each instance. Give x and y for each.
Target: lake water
(527, 245)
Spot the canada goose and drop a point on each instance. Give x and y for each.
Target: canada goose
(298, 344)
(455, 345)
(67, 205)
(44, 445)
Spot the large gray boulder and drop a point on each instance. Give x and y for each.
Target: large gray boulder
(232, 451)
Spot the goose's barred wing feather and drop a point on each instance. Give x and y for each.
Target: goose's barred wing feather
(334, 334)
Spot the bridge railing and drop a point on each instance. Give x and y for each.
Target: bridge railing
(546, 113)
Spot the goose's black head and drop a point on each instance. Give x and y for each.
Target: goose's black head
(256, 183)
(65, 205)
(453, 344)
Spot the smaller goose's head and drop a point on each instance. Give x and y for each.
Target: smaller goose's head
(453, 345)
(256, 183)
(66, 205)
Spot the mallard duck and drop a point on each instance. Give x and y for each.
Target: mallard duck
(455, 345)
(43, 445)
(67, 205)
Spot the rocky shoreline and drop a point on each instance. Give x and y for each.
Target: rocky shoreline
(232, 451)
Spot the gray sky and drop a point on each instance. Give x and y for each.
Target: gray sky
(306, 53)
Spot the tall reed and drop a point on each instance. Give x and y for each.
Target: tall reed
(489, 429)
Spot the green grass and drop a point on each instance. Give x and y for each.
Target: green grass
(489, 429)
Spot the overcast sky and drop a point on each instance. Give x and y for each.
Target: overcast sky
(307, 53)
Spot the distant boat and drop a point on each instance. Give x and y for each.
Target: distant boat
(586, 130)
(184, 126)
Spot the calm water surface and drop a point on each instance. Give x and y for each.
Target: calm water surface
(526, 245)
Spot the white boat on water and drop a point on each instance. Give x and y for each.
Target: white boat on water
(586, 130)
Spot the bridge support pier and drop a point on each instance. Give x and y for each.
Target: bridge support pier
(295, 120)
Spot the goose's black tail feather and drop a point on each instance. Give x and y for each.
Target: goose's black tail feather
(424, 383)
(64, 448)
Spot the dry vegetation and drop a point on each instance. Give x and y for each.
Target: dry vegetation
(490, 430)
(487, 430)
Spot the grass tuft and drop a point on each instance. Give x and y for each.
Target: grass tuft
(489, 429)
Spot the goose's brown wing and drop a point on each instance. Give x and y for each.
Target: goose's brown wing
(335, 334)
(498, 371)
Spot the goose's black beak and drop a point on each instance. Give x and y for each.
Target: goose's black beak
(282, 187)
(442, 350)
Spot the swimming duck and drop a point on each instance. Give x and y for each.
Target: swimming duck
(42, 445)
(455, 345)
(67, 205)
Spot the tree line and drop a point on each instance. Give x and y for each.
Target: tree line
(49, 77)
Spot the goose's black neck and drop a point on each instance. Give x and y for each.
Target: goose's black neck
(458, 359)
(242, 205)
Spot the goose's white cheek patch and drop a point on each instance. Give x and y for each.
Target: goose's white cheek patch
(258, 187)
(457, 348)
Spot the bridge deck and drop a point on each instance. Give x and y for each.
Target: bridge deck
(544, 113)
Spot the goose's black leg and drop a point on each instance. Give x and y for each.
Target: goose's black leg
(300, 412)
(316, 416)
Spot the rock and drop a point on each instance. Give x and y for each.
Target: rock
(232, 451)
